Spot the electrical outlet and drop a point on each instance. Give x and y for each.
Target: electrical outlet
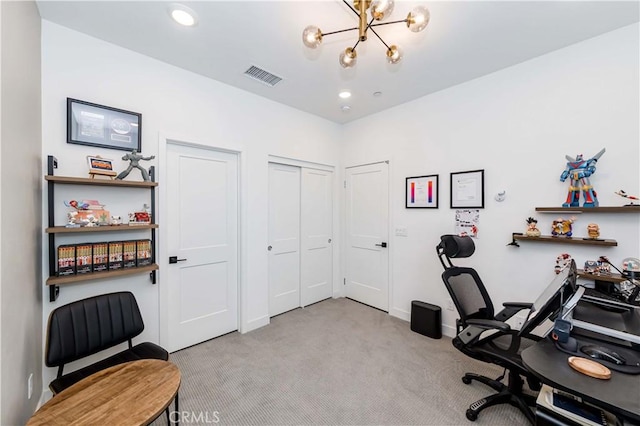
(401, 231)
(30, 386)
(450, 306)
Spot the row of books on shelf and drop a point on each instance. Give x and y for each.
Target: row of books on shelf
(85, 258)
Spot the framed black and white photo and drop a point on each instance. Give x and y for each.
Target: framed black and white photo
(467, 189)
(422, 192)
(104, 127)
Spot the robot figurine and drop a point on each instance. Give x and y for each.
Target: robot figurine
(579, 170)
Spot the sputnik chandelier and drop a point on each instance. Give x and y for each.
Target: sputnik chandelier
(416, 21)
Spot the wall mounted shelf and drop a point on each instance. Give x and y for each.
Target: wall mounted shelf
(54, 280)
(110, 228)
(613, 278)
(70, 279)
(565, 240)
(579, 210)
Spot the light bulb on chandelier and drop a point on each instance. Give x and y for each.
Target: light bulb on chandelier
(416, 21)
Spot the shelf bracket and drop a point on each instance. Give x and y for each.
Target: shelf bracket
(513, 240)
(54, 291)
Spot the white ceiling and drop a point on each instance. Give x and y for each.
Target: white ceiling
(464, 40)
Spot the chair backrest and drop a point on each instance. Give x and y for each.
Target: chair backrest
(88, 326)
(468, 293)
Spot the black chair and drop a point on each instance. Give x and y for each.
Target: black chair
(88, 326)
(477, 317)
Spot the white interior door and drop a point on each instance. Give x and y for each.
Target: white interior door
(367, 234)
(316, 265)
(284, 238)
(202, 233)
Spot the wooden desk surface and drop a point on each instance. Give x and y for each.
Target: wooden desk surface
(619, 395)
(133, 393)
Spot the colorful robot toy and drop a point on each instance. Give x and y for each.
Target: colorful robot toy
(579, 170)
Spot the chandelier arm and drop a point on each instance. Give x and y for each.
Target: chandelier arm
(351, 7)
(380, 38)
(387, 23)
(339, 31)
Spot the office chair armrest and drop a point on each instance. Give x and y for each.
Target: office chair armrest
(489, 324)
(512, 308)
(521, 305)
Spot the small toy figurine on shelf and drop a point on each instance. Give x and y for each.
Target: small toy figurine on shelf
(561, 262)
(134, 159)
(562, 226)
(532, 229)
(629, 197)
(593, 230)
(579, 170)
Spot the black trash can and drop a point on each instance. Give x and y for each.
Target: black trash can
(426, 319)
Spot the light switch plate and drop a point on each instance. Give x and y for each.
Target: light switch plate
(401, 232)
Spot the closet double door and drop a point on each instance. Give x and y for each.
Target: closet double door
(300, 236)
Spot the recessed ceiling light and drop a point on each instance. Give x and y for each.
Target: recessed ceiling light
(345, 108)
(376, 94)
(183, 15)
(345, 94)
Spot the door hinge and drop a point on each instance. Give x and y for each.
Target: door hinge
(344, 281)
(345, 183)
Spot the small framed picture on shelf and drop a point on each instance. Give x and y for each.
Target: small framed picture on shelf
(467, 189)
(100, 166)
(102, 126)
(421, 192)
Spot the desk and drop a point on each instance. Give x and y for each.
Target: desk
(619, 395)
(133, 393)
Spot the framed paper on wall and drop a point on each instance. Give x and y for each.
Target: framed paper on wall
(467, 189)
(422, 192)
(102, 126)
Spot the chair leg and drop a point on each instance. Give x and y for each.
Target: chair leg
(511, 394)
(493, 384)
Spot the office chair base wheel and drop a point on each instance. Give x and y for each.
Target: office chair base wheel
(472, 415)
(466, 380)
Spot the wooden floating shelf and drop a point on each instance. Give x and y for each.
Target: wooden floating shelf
(64, 229)
(69, 279)
(578, 210)
(565, 240)
(612, 278)
(99, 182)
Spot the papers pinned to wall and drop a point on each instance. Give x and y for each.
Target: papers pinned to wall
(467, 222)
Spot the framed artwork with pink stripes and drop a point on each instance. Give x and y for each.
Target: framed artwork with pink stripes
(422, 192)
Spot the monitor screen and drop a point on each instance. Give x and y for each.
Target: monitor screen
(552, 298)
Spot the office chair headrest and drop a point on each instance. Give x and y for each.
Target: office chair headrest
(454, 246)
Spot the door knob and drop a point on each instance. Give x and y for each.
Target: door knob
(383, 244)
(174, 259)
(329, 241)
(269, 248)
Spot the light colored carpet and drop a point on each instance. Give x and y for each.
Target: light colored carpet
(337, 362)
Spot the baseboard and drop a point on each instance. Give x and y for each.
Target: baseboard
(255, 324)
(400, 313)
(45, 396)
(448, 330)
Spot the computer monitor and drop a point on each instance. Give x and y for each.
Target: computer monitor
(550, 302)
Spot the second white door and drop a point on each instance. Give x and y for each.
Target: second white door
(300, 237)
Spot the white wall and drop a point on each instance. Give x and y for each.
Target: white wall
(516, 124)
(179, 105)
(20, 219)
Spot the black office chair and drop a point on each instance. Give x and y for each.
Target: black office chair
(502, 347)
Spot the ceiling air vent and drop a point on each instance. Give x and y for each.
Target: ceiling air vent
(263, 76)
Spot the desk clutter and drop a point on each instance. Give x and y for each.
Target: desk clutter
(85, 258)
(573, 408)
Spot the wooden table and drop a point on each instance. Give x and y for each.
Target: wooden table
(133, 393)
